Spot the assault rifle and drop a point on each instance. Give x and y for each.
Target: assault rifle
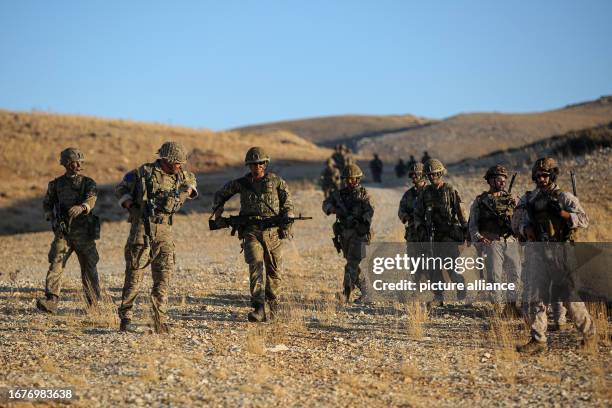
(238, 222)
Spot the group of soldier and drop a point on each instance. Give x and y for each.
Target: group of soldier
(430, 210)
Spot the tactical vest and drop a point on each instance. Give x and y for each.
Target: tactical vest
(549, 225)
(411, 196)
(70, 192)
(442, 207)
(495, 213)
(163, 189)
(259, 197)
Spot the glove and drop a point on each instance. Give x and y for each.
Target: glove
(285, 232)
(75, 211)
(554, 207)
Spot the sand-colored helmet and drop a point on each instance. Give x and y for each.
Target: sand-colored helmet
(494, 171)
(173, 152)
(352, 171)
(545, 165)
(256, 155)
(416, 168)
(434, 166)
(70, 155)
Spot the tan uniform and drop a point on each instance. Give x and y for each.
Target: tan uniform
(490, 218)
(166, 194)
(262, 247)
(330, 180)
(553, 266)
(82, 231)
(354, 212)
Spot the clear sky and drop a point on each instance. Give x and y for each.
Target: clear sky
(222, 64)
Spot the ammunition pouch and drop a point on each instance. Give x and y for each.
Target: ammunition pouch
(456, 233)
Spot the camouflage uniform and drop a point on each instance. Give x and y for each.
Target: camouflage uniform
(63, 193)
(558, 260)
(166, 193)
(354, 212)
(340, 157)
(406, 215)
(441, 207)
(330, 178)
(262, 247)
(490, 216)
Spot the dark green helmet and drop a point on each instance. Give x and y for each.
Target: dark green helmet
(434, 166)
(494, 171)
(256, 155)
(70, 155)
(545, 165)
(416, 168)
(173, 152)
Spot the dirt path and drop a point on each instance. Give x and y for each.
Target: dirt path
(320, 353)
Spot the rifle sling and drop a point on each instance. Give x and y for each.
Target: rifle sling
(244, 183)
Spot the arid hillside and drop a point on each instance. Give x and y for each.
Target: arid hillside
(31, 143)
(349, 129)
(475, 134)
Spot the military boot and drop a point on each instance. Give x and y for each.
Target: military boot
(558, 326)
(258, 314)
(125, 325)
(273, 307)
(588, 343)
(161, 328)
(48, 305)
(347, 294)
(531, 347)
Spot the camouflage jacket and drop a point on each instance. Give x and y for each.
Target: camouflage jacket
(543, 216)
(330, 178)
(65, 192)
(353, 208)
(442, 208)
(167, 192)
(407, 206)
(265, 198)
(490, 216)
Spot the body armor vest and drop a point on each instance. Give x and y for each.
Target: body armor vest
(440, 201)
(495, 213)
(259, 197)
(549, 225)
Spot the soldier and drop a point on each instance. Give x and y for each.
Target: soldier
(411, 162)
(152, 194)
(262, 194)
(330, 178)
(490, 228)
(376, 166)
(552, 216)
(426, 157)
(339, 157)
(439, 218)
(400, 168)
(354, 213)
(68, 203)
(406, 211)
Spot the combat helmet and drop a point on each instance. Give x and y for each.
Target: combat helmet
(494, 171)
(416, 168)
(545, 165)
(352, 171)
(173, 152)
(256, 155)
(70, 155)
(434, 166)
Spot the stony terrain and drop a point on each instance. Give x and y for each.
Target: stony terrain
(320, 353)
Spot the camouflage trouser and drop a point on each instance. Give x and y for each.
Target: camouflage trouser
(502, 263)
(414, 248)
(353, 250)
(161, 256)
(262, 251)
(447, 248)
(554, 269)
(87, 254)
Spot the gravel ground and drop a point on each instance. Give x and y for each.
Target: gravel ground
(319, 353)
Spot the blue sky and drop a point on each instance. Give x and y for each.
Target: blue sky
(222, 64)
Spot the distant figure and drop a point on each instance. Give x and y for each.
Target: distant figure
(339, 157)
(425, 157)
(411, 163)
(400, 169)
(330, 179)
(376, 165)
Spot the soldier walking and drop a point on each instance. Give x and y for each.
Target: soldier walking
(400, 168)
(552, 216)
(262, 194)
(68, 203)
(152, 194)
(339, 157)
(330, 179)
(354, 213)
(406, 211)
(376, 166)
(439, 219)
(491, 229)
